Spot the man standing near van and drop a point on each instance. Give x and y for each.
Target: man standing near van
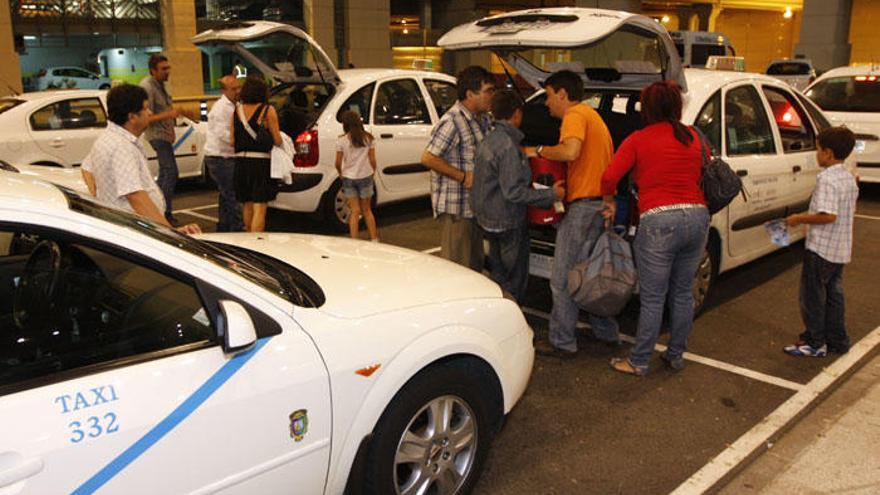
(160, 132)
(450, 156)
(585, 144)
(220, 154)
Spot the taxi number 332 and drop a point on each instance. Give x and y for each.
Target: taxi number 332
(93, 427)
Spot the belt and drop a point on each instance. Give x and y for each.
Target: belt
(253, 154)
(677, 206)
(588, 198)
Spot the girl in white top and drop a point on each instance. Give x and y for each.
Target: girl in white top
(356, 164)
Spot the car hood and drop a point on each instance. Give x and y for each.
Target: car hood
(363, 278)
(67, 177)
(510, 33)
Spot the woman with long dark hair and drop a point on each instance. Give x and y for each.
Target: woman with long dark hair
(254, 131)
(666, 160)
(356, 164)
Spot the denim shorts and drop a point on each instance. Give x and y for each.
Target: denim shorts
(357, 188)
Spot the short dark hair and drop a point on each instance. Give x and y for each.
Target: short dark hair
(472, 79)
(254, 90)
(569, 81)
(156, 59)
(505, 103)
(123, 100)
(839, 140)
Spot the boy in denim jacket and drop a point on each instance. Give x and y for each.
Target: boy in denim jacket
(828, 248)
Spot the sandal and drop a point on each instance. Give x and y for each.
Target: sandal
(623, 365)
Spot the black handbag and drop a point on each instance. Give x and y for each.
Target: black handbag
(719, 182)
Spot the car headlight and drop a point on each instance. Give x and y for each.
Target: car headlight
(7, 167)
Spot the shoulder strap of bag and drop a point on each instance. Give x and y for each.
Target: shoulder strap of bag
(244, 123)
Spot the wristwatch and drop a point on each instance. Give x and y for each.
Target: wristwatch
(538, 150)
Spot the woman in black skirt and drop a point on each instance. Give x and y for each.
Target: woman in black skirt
(254, 132)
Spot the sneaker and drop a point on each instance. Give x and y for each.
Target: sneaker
(676, 364)
(802, 349)
(544, 348)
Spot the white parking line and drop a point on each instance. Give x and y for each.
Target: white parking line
(195, 208)
(197, 215)
(737, 455)
(866, 217)
(714, 363)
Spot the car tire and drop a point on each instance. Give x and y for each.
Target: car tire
(707, 272)
(448, 421)
(334, 207)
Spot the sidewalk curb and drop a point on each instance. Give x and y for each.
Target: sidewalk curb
(733, 459)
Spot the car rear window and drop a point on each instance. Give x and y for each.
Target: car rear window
(7, 103)
(847, 94)
(788, 69)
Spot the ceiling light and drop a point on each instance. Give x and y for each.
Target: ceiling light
(787, 14)
(665, 19)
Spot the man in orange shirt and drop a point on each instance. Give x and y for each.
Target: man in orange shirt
(585, 143)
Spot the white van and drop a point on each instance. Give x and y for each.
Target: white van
(695, 47)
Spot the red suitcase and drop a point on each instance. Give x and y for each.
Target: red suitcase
(546, 172)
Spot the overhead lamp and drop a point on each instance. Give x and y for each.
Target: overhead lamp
(664, 19)
(788, 13)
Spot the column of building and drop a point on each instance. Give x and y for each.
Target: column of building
(824, 36)
(10, 71)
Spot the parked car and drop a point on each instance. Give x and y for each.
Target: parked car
(695, 47)
(139, 360)
(798, 73)
(762, 127)
(399, 108)
(66, 177)
(58, 128)
(851, 96)
(69, 78)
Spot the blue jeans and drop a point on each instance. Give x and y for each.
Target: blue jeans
(509, 260)
(168, 173)
(669, 246)
(578, 231)
(822, 304)
(222, 170)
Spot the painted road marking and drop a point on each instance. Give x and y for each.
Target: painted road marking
(197, 215)
(866, 217)
(713, 363)
(196, 208)
(736, 456)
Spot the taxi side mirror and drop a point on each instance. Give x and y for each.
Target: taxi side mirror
(236, 327)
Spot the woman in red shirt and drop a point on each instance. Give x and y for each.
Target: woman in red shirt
(666, 163)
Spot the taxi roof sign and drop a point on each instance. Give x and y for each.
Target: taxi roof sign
(717, 62)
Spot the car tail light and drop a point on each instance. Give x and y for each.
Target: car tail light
(306, 149)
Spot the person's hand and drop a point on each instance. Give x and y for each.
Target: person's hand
(793, 220)
(610, 210)
(190, 229)
(559, 190)
(530, 151)
(468, 180)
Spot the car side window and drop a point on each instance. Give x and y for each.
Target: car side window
(794, 125)
(746, 125)
(70, 114)
(709, 121)
(443, 95)
(65, 305)
(400, 102)
(819, 120)
(359, 103)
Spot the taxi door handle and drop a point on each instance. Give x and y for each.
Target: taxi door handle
(21, 471)
(796, 168)
(56, 143)
(742, 173)
(386, 136)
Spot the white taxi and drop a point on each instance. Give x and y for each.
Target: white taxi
(58, 128)
(399, 108)
(137, 360)
(762, 127)
(851, 96)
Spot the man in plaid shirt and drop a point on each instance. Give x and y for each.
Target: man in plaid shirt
(450, 156)
(828, 248)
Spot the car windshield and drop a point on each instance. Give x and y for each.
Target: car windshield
(7, 103)
(788, 69)
(847, 94)
(273, 275)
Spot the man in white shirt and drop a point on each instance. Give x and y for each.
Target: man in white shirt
(116, 168)
(220, 155)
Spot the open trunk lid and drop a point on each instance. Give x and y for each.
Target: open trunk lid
(608, 48)
(278, 50)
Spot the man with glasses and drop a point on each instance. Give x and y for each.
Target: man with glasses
(450, 156)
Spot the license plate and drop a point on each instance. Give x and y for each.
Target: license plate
(540, 265)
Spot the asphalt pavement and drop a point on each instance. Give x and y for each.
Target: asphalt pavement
(581, 428)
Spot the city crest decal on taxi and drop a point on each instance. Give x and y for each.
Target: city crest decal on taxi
(299, 424)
